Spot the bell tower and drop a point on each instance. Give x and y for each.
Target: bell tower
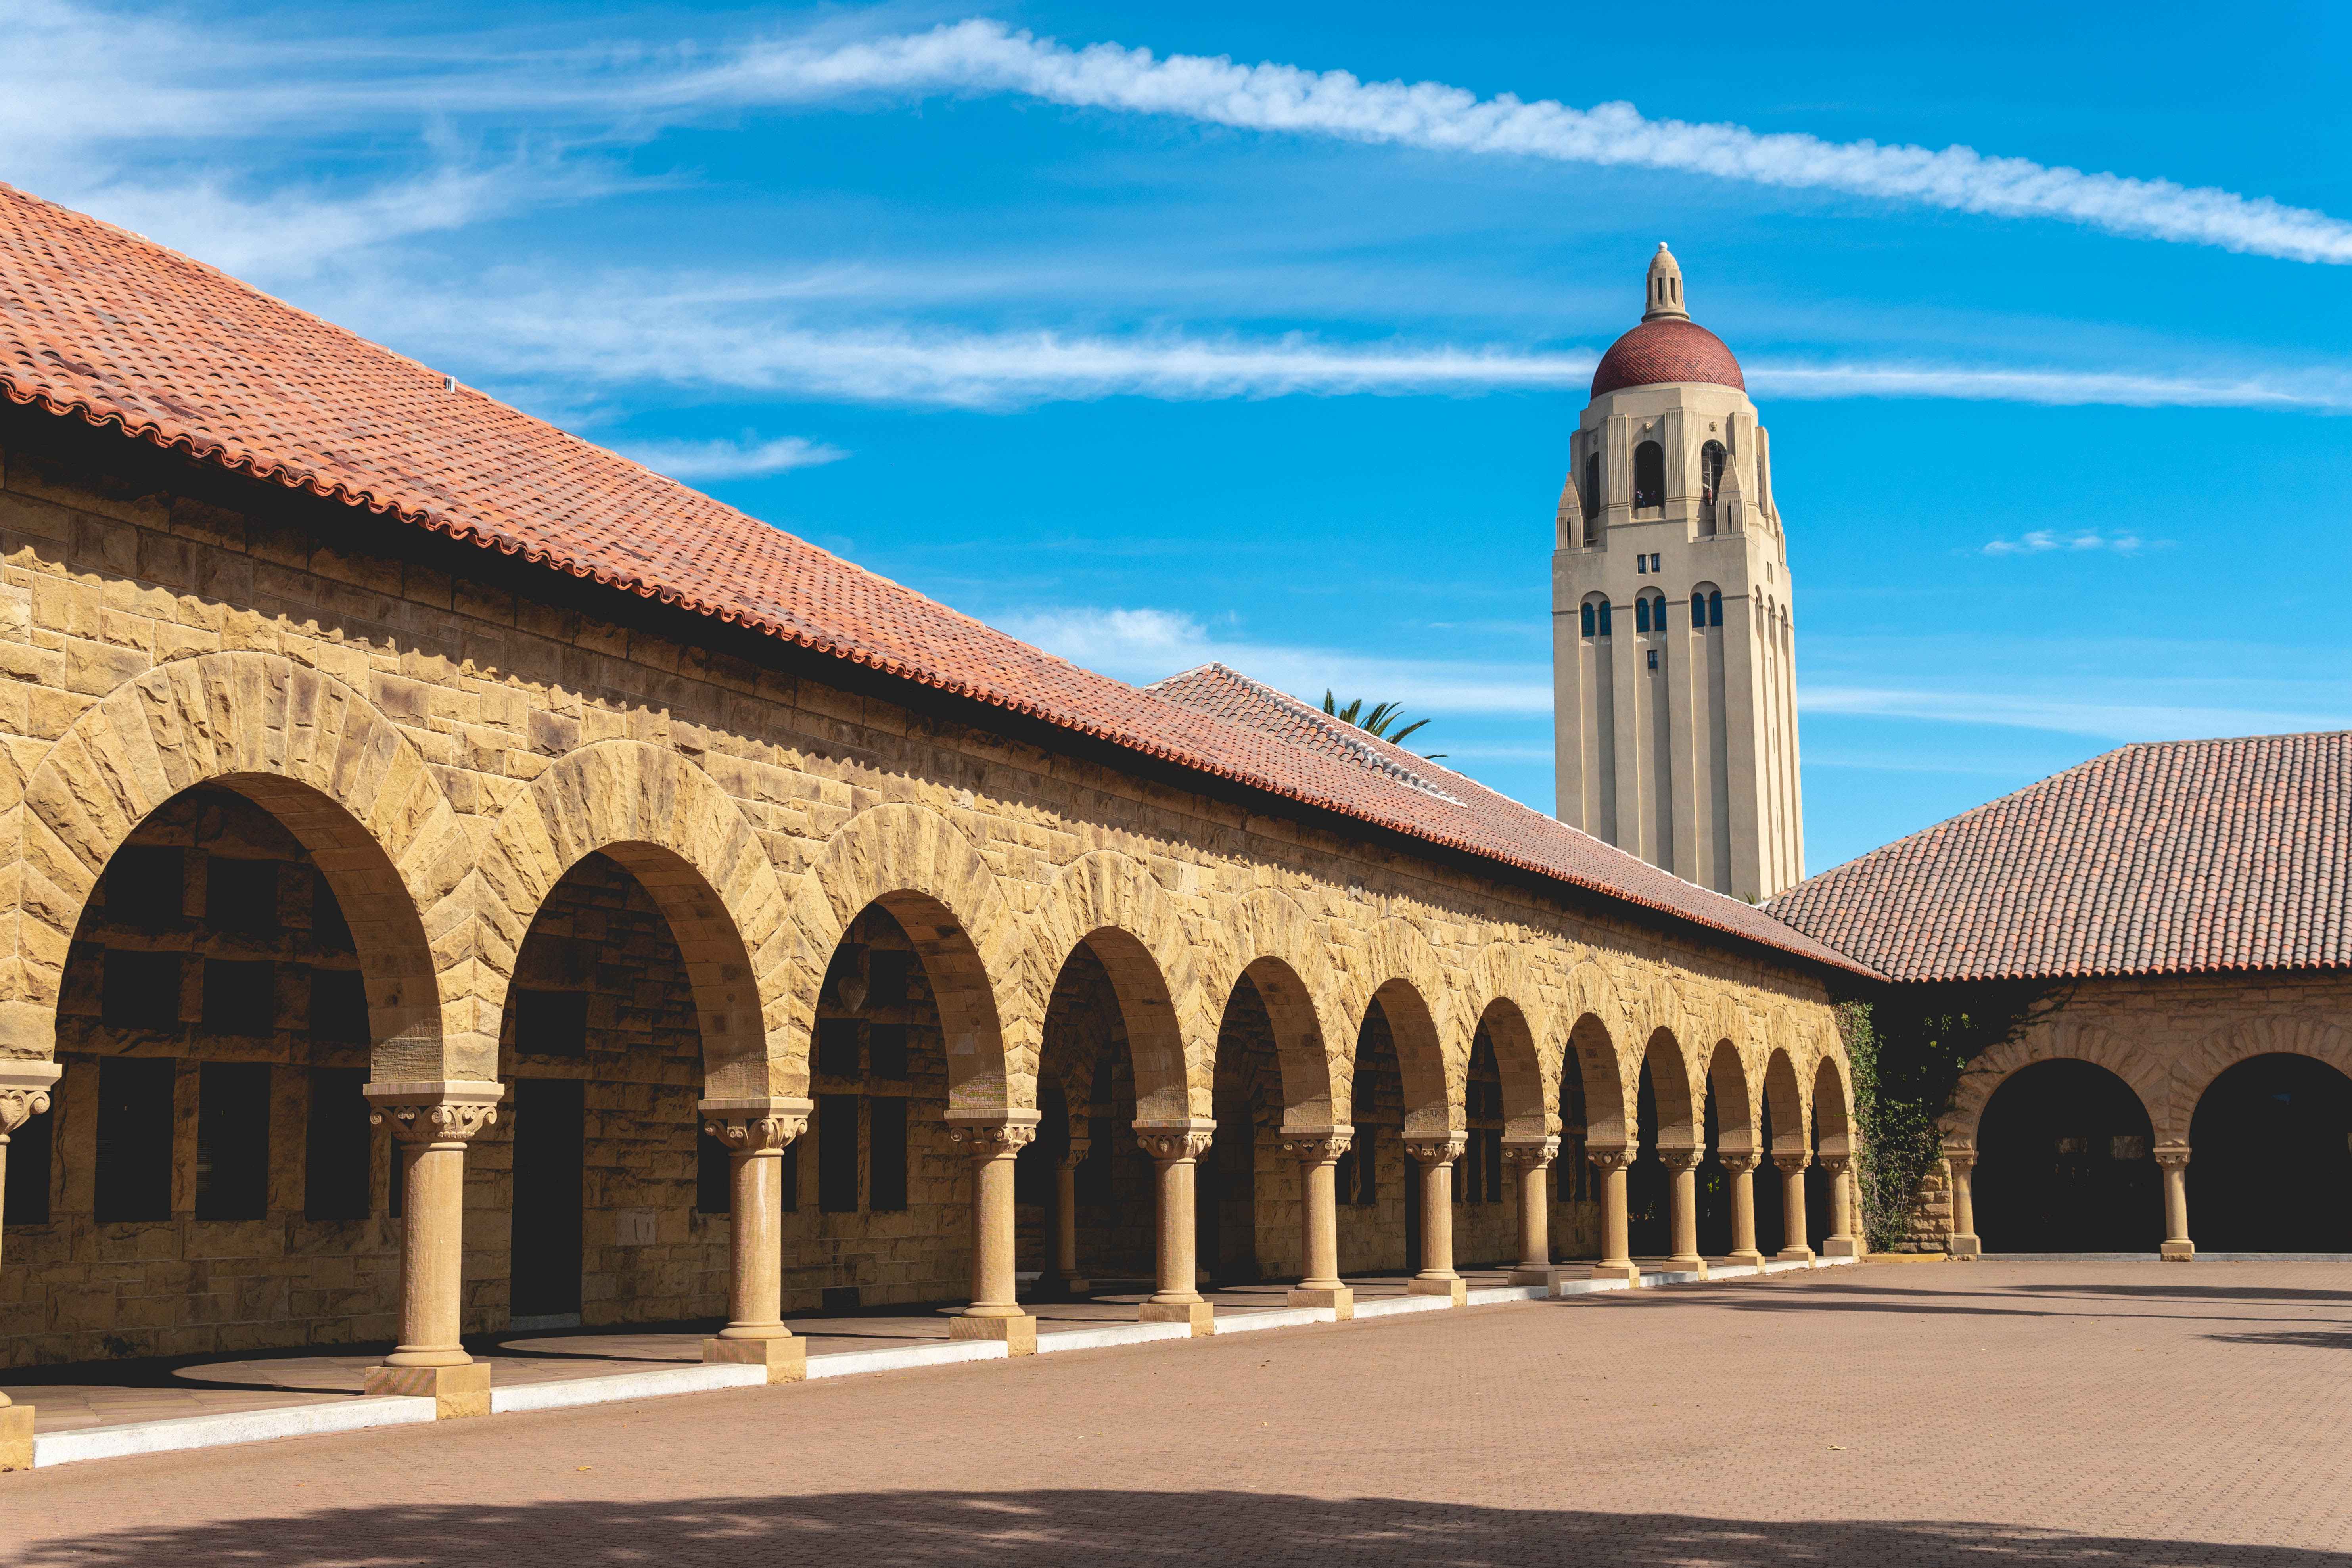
(1674, 670)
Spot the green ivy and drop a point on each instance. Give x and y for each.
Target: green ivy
(1909, 1047)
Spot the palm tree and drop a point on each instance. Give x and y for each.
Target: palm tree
(1376, 722)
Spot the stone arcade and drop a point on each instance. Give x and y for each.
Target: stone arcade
(456, 875)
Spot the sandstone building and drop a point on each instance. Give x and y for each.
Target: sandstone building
(1673, 658)
(456, 876)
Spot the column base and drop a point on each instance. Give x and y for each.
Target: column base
(1019, 1331)
(1744, 1259)
(455, 1391)
(1457, 1290)
(1629, 1272)
(16, 1437)
(1074, 1289)
(1841, 1247)
(2178, 1252)
(1201, 1315)
(1793, 1255)
(1691, 1264)
(1546, 1275)
(786, 1359)
(1340, 1298)
(1966, 1248)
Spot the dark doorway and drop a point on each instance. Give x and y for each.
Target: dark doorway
(1771, 1216)
(550, 1150)
(1714, 1191)
(2065, 1164)
(2271, 1159)
(1646, 1183)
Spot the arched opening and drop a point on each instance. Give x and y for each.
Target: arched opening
(1831, 1137)
(1086, 1096)
(1399, 1036)
(1240, 1178)
(1591, 1116)
(2064, 1165)
(1663, 1111)
(224, 988)
(1649, 476)
(1377, 1233)
(1711, 460)
(1782, 1132)
(1727, 1132)
(1482, 1223)
(1592, 497)
(2271, 1158)
(1596, 616)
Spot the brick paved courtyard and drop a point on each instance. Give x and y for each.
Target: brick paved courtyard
(2003, 1413)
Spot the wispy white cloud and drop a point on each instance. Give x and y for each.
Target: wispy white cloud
(2042, 541)
(771, 335)
(744, 459)
(1145, 645)
(982, 55)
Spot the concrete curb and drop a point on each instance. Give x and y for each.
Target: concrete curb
(849, 1364)
(1243, 1322)
(216, 1431)
(564, 1395)
(1111, 1334)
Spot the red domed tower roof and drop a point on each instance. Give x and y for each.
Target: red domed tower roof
(1668, 345)
(1667, 349)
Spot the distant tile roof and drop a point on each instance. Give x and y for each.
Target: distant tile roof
(102, 324)
(2162, 859)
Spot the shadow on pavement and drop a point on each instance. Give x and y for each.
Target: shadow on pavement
(1047, 1529)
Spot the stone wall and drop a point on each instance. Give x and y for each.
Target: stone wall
(447, 733)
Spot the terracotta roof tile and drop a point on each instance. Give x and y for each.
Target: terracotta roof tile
(100, 324)
(1667, 349)
(2160, 858)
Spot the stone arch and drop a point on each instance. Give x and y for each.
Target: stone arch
(1593, 1055)
(674, 829)
(1111, 903)
(1267, 938)
(1784, 1102)
(1396, 968)
(1501, 982)
(1832, 1121)
(2192, 1071)
(914, 862)
(2141, 1068)
(1671, 1081)
(328, 765)
(1727, 1093)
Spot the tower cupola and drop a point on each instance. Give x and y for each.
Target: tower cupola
(1665, 288)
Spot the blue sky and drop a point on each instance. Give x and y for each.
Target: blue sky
(1154, 359)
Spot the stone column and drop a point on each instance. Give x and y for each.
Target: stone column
(757, 1131)
(1616, 1249)
(1318, 1220)
(1840, 1241)
(1682, 1209)
(23, 1094)
(2178, 1248)
(1533, 1160)
(1437, 1156)
(1072, 1284)
(1965, 1242)
(1792, 1207)
(1741, 1165)
(430, 1125)
(995, 1312)
(1176, 1149)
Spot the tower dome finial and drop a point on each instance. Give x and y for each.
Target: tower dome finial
(1665, 288)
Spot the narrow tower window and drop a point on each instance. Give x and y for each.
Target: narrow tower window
(1711, 459)
(1698, 608)
(1588, 620)
(1642, 614)
(1592, 490)
(1649, 476)
(1715, 607)
(1604, 617)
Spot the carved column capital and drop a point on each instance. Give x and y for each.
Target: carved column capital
(1792, 1163)
(1318, 1148)
(760, 1125)
(1681, 1159)
(2172, 1156)
(1176, 1141)
(1607, 1159)
(1443, 1150)
(998, 1139)
(1076, 1154)
(1837, 1164)
(443, 1114)
(1962, 1160)
(24, 1093)
(1534, 1152)
(1739, 1161)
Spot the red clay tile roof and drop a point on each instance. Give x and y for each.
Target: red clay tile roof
(1663, 351)
(100, 324)
(2162, 858)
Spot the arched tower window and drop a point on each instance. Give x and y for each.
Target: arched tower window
(1650, 612)
(1698, 608)
(1711, 459)
(1649, 476)
(1706, 607)
(1714, 607)
(1592, 496)
(1588, 620)
(1595, 617)
(1642, 614)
